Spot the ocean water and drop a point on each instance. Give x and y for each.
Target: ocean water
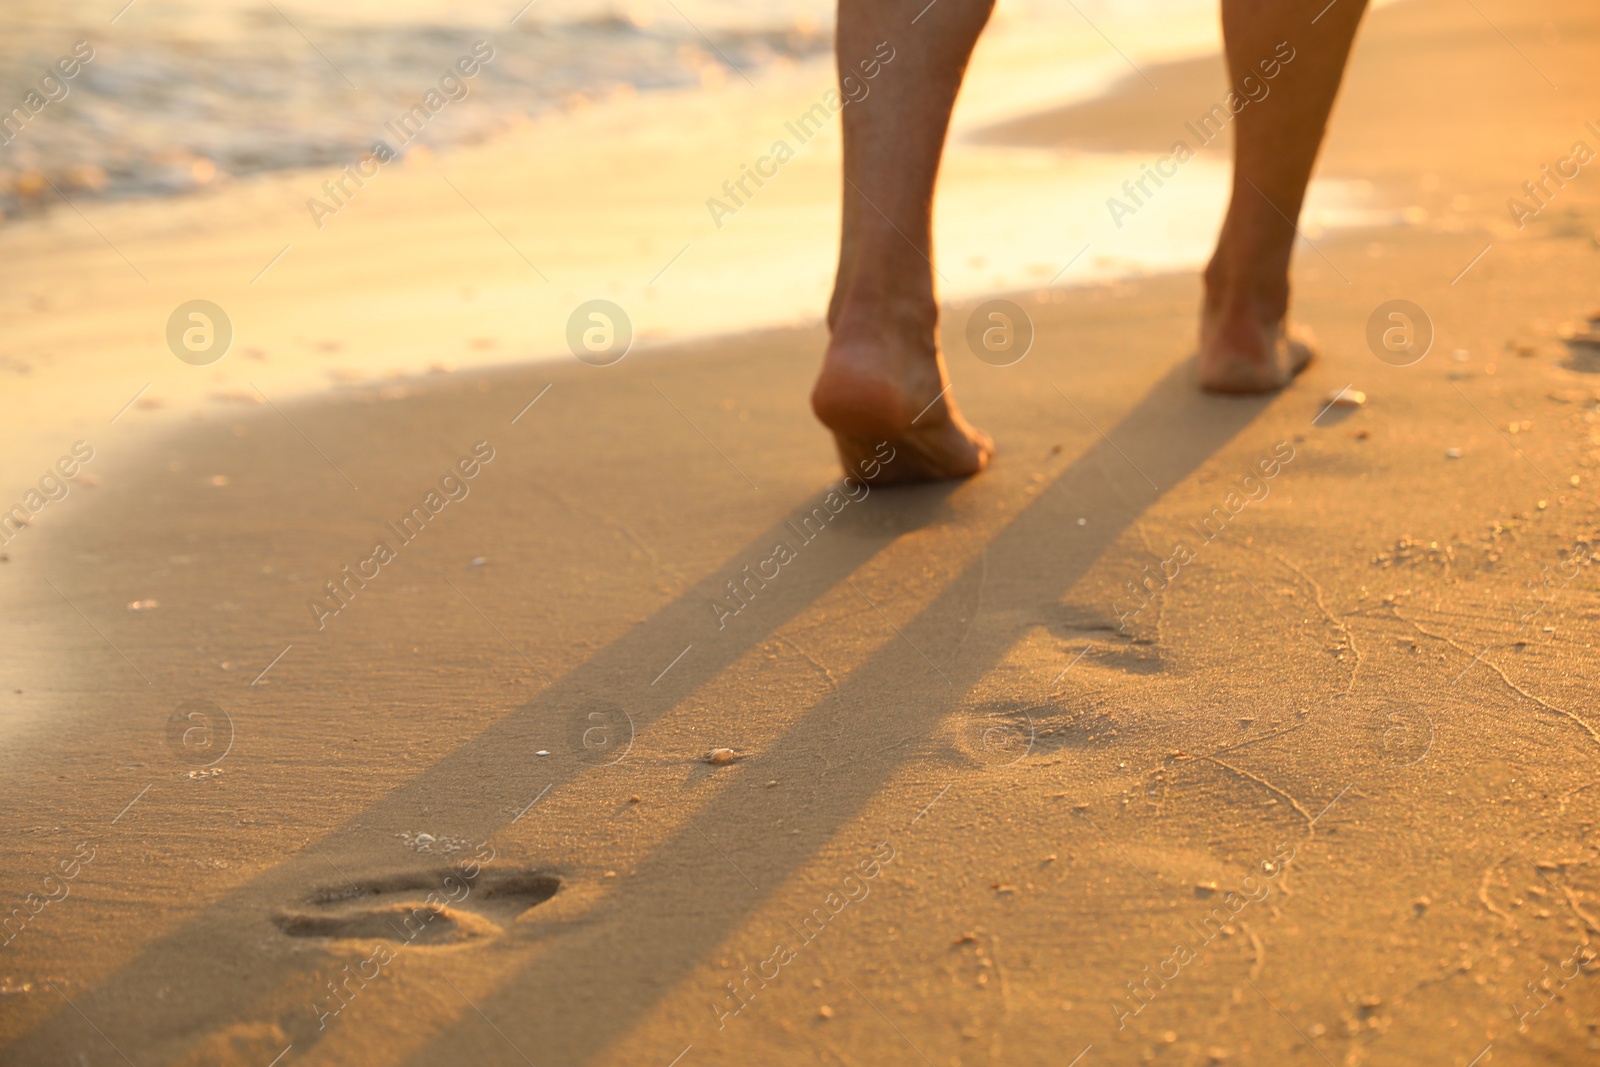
(182, 94)
(610, 125)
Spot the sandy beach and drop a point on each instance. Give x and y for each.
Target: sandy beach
(1196, 730)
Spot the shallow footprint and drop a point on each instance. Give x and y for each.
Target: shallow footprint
(510, 893)
(414, 923)
(440, 907)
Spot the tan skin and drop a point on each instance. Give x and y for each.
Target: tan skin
(883, 375)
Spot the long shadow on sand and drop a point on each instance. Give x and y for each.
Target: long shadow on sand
(649, 932)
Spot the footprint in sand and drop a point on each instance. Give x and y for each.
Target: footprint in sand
(1583, 347)
(438, 907)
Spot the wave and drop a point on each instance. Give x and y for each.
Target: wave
(177, 99)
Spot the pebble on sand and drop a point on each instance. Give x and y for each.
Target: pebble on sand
(1452, 453)
(719, 757)
(1347, 398)
(143, 605)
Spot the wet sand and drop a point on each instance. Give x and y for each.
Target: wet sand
(1322, 792)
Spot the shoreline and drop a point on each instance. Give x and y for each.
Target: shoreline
(88, 320)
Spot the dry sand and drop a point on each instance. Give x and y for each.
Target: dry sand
(994, 808)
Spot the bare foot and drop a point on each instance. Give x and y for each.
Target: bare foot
(1239, 353)
(875, 388)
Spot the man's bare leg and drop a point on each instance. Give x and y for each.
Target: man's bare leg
(883, 378)
(1246, 345)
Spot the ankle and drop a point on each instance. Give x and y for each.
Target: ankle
(882, 315)
(1262, 295)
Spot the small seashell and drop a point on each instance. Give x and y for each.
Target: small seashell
(719, 757)
(1347, 398)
